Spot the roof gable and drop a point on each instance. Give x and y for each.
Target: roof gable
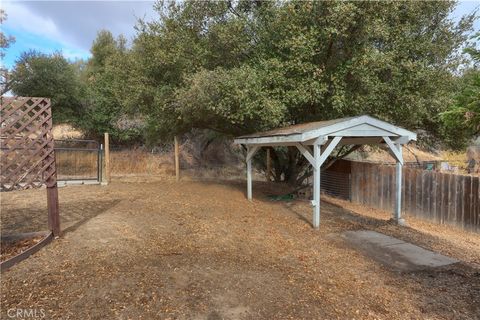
(361, 126)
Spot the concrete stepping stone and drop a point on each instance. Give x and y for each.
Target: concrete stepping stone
(394, 252)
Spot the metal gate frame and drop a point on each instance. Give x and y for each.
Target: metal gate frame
(84, 180)
(98, 149)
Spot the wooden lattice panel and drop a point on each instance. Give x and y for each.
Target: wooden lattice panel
(27, 157)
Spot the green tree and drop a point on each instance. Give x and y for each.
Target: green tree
(42, 75)
(238, 67)
(188, 37)
(462, 120)
(105, 75)
(5, 42)
(229, 101)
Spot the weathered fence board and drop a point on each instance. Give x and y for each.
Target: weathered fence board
(441, 197)
(475, 201)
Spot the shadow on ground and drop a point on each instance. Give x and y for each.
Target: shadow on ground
(75, 213)
(200, 250)
(35, 218)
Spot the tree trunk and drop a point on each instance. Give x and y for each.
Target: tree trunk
(277, 166)
(291, 166)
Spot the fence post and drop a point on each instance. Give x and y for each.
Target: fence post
(100, 163)
(177, 160)
(53, 211)
(107, 158)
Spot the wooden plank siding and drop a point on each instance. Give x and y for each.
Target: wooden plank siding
(440, 197)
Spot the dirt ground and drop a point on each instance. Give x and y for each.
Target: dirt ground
(157, 249)
(10, 249)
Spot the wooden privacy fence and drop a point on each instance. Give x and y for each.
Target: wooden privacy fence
(27, 157)
(441, 197)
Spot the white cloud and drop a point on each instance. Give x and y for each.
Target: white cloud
(75, 23)
(22, 19)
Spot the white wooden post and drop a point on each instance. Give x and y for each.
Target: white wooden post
(396, 149)
(316, 186)
(398, 190)
(250, 153)
(249, 178)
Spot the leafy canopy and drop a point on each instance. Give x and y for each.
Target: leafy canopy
(42, 75)
(238, 67)
(104, 76)
(462, 119)
(241, 66)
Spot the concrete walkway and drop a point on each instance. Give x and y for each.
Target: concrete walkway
(395, 252)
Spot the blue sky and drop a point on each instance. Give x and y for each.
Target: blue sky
(68, 26)
(71, 26)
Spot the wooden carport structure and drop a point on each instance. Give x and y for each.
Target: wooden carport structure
(323, 137)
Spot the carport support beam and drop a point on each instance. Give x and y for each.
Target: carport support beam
(396, 151)
(250, 153)
(319, 159)
(398, 190)
(316, 186)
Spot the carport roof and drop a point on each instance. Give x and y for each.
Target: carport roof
(325, 136)
(353, 127)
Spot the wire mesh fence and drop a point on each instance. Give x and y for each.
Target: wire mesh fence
(78, 160)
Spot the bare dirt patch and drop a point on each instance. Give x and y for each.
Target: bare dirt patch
(199, 250)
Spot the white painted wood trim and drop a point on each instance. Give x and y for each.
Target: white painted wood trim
(328, 150)
(334, 129)
(251, 151)
(249, 179)
(337, 129)
(306, 153)
(401, 140)
(398, 193)
(316, 187)
(361, 141)
(396, 151)
(269, 140)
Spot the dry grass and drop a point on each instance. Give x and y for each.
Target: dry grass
(411, 154)
(71, 164)
(200, 250)
(66, 131)
(456, 159)
(141, 162)
(84, 163)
